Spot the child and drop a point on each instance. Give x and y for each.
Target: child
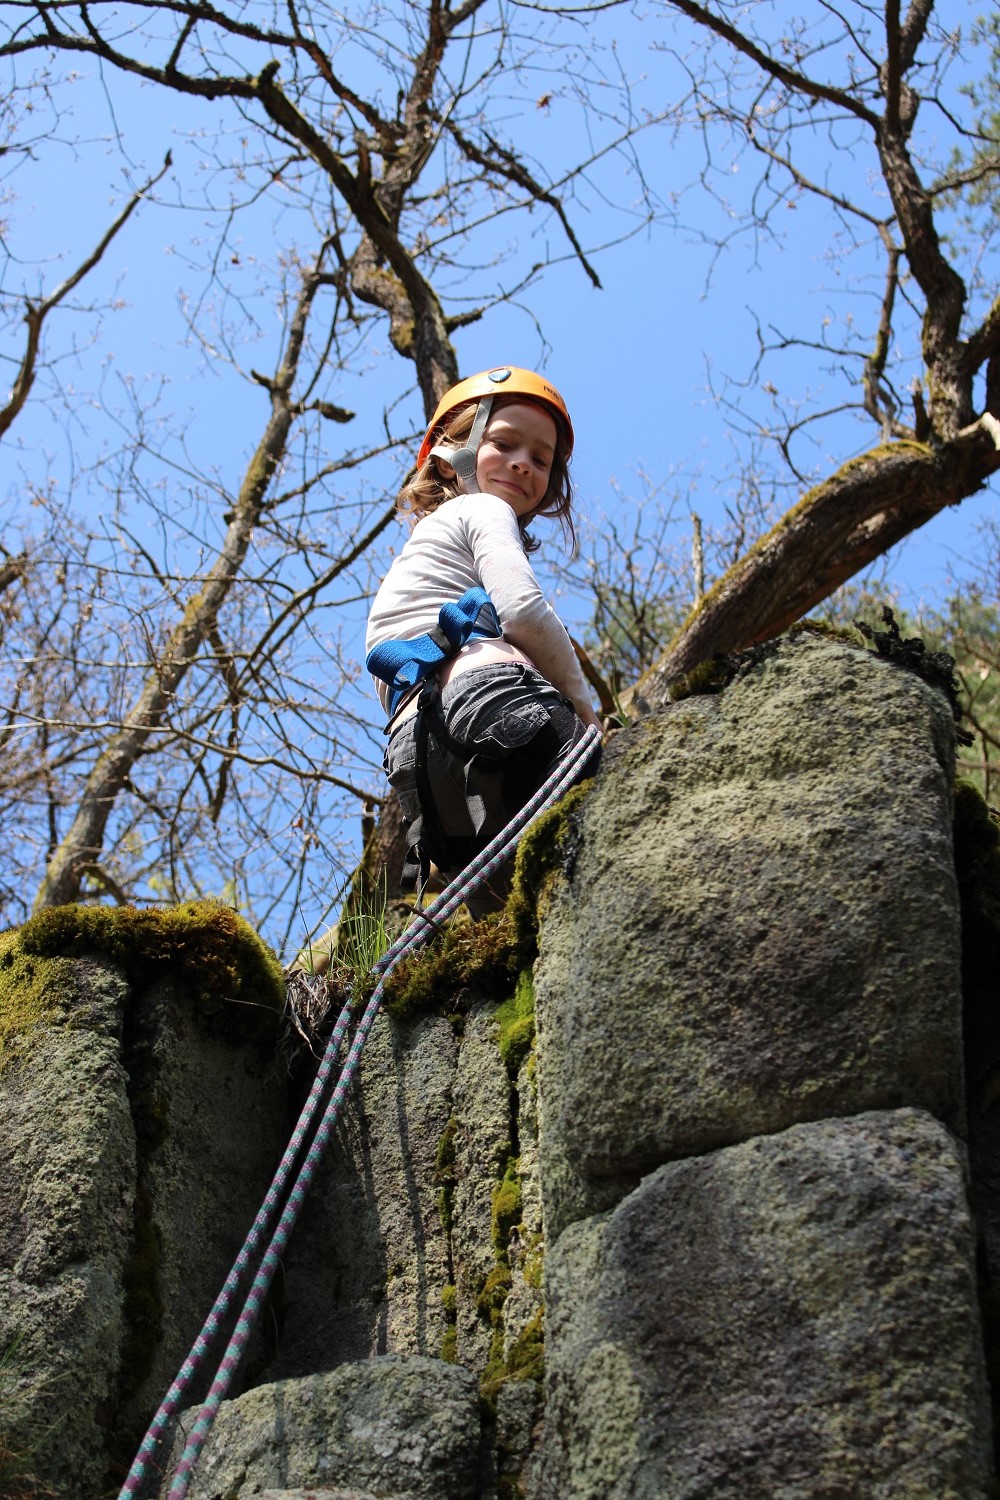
(478, 677)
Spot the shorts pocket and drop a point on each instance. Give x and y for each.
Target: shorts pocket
(515, 726)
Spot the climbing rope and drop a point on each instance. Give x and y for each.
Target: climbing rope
(415, 936)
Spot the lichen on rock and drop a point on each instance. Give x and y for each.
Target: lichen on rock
(132, 1055)
(762, 875)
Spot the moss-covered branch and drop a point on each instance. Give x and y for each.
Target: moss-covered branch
(837, 528)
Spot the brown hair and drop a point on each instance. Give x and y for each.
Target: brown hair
(427, 488)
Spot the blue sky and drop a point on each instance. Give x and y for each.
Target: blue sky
(632, 359)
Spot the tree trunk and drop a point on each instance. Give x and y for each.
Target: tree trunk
(79, 851)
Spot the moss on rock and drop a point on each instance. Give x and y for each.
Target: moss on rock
(506, 1207)
(205, 944)
(516, 1020)
(547, 849)
(524, 1360)
(482, 956)
(449, 1341)
(33, 990)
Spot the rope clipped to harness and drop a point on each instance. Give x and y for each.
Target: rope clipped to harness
(477, 872)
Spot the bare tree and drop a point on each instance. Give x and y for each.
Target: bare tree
(396, 180)
(148, 729)
(435, 63)
(37, 311)
(830, 107)
(381, 136)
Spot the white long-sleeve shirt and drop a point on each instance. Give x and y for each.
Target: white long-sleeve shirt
(474, 541)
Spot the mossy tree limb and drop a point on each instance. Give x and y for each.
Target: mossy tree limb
(950, 446)
(836, 529)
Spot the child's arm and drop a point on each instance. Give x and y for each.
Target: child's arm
(528, 620)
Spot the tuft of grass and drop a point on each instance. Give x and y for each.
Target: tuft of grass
(17, 1482)
(363, 938)
(339, 964)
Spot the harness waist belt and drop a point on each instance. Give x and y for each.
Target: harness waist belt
(402, 664)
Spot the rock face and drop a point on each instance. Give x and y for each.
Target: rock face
(400, 1255)
(67, 1180)
(738, 1144)
(795, 1315)
(761, 926)
(748, 980)
(366, 1267)
(126, 1169)
(407, 1428)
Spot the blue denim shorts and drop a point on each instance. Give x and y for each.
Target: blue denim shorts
(514, 726)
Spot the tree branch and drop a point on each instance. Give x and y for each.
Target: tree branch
(871, 503)
(83, 843)
(37, 312)
(790, 77)
(500, 159)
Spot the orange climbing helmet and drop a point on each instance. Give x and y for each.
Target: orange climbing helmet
(502, 380)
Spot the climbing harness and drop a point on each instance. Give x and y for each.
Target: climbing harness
(426, 923)
(446, 831)
(427, 839)
(401, 664)
(459, 792)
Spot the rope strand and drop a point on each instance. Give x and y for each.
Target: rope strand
(415, 936)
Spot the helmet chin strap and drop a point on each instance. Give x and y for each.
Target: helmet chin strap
(463, 460)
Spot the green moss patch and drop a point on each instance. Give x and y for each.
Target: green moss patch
(33, 991)
(547, 849)
(205, 945)
(468, 956)
(516, 1019)
(506, 1209)
(525, 1360)
(485, 958)
(709, 676)
(449, 1342)
(493, 1295)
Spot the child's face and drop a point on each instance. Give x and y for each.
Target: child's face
(515, 456)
